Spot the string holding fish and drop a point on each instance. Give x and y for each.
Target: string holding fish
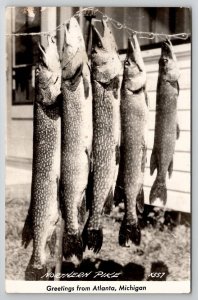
(116, 24)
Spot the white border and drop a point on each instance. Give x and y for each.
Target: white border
(80, 287)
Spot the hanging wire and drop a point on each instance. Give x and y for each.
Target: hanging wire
(116, 24)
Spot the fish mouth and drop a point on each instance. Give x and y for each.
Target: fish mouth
(50, 41)
(167, 48)
(99, 40)
(72, 24)
(42, 50)
(72, 33)
(96, 37)
(133, 49)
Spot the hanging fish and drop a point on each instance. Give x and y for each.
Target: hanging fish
(166, 126)
(106, 71)
(134, 119)
(43, 212)
(76, 133)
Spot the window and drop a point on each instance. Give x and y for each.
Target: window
(25, 53)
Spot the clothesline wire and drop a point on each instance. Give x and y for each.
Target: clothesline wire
(116, 24)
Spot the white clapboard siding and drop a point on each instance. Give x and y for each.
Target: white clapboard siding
(179, 184)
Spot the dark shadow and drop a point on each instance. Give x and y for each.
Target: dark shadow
(102, 270)
(158, 267)
(133, 272)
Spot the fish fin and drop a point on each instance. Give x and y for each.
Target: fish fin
(27, 233)
(178, 88)
(89, 191)
(92, 238)
(72, 245)
(119, 190)
(158, 190)
(177, 131)
(117, 153)
(35, 274)
(52, 243)
(146, 98)
(75, 79)
(86, 84)
(116, 87)
(119, 195)
(109, 203)
(129, 232)
(82, 209)
(170, 169)
(90, 159)
(89, 188)
(144, 157)
(153, 162)
(140, 200)
(112, 85)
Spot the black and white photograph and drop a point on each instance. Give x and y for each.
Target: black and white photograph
(98, 150)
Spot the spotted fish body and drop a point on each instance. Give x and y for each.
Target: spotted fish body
(43, 212)
(134, 118)
(106, 70)
(76, 135)
(166, 126)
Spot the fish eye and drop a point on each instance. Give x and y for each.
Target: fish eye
(99, 44)
(165, 60)
(126, 63)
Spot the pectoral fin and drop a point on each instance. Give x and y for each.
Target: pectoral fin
(75, 79)
(144, 157)
(27, 233)
(86, 83)
(170, 169)
(117, 152)
(177, 131)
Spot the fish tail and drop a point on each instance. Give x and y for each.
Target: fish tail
(92, 238)
(36, 269)
(129, 232)
(72, 245)
(36, 274)
(27, 233)
(158, 190)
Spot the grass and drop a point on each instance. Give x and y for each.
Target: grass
(162, 249)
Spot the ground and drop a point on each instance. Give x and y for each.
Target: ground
(162, 249)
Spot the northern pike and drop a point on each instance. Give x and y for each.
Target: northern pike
(166, 126)
(134, 120)
(76, 135)
(106, 72)
(43, 212)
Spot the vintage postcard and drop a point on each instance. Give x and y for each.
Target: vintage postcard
(98, 155)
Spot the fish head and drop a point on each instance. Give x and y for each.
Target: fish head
(134, 69)
(73, 52)
(168, 67)
(48, 73)
(106, 64)
(134, 63)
